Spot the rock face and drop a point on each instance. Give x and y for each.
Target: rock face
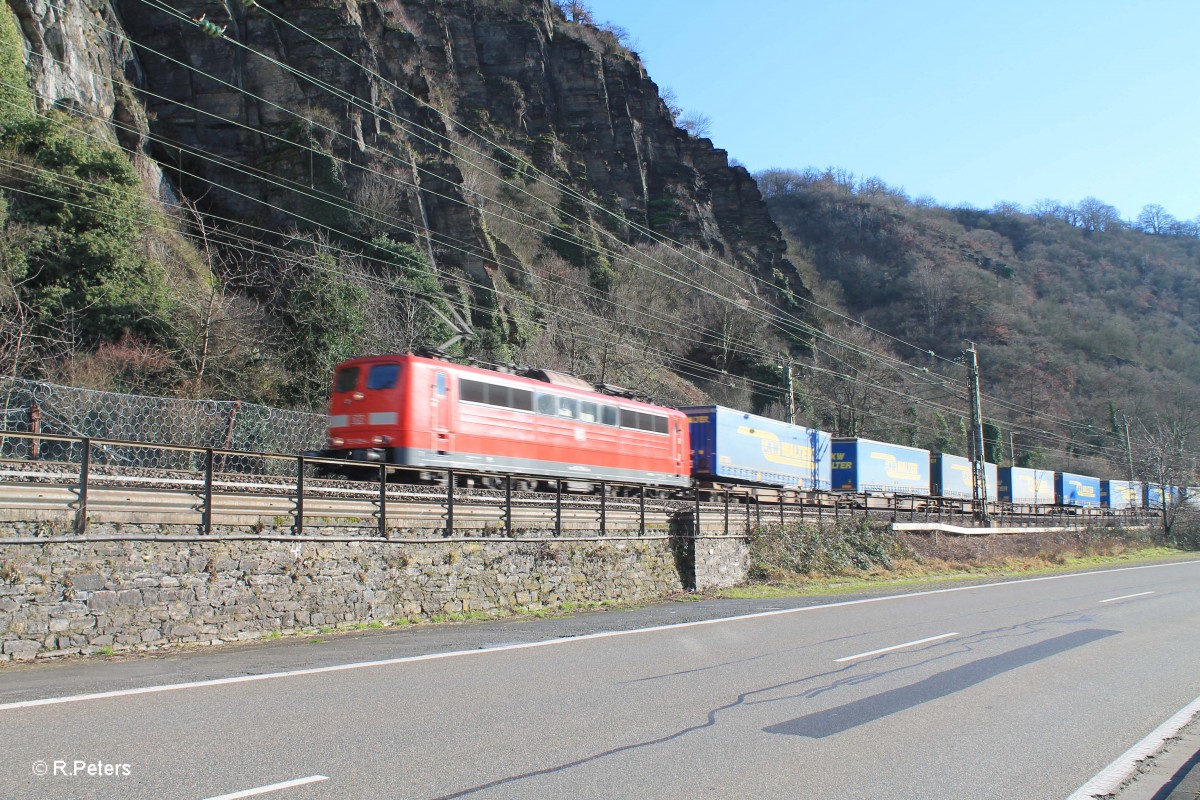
(306, 112)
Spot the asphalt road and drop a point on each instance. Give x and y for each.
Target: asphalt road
(1019, 690)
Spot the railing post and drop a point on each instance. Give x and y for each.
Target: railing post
(508, 505)
(35, 426)
(298, 527)
(207, 521)
(85, 462)
(558, 506)
(696, 516)
(726, 512)
(383, 528)
(603, 506)
(449, 502)
(642, 510)
(781, 509)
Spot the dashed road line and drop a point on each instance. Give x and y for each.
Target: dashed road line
(274, 787)
(897, 647)
(1125, 597)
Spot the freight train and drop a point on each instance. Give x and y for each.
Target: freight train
(428, 416)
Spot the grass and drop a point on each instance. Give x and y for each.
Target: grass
(106, 651)
(270, 635)
(910, 573)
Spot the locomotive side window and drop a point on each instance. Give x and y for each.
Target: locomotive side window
(494, 394)
(498, 395)
(547, 404)
(522, 399)
(641, 421)
(347, 380)
(608, 415)
(587, 412)
(441, 384)
(568, 407)
(472, 391)
(383, 376)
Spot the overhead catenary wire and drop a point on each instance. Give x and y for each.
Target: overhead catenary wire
(900, 364)
(680, 367)
(348, 97)
(711, 372)
(906, 366)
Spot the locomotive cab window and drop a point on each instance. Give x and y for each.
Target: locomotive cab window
(383, 376)
(347, 380)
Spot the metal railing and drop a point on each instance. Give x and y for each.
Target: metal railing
(204, 485)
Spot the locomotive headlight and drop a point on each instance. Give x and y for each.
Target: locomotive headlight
(381, 440)
(358, 395)
(336, 441)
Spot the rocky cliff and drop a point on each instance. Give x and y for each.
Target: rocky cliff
(515, 150)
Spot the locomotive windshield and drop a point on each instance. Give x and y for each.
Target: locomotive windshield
(346, 380)
(383, 376)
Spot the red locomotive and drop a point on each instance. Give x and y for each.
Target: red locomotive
(423, 413)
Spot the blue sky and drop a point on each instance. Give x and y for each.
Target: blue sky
(965, 102)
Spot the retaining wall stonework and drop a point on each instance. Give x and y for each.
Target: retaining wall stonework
(721, 562)
(60, 597)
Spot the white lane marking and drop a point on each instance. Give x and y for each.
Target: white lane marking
(1125, 597)
(274, 787)
(387, 662)
(896, 647)
(1109, 780)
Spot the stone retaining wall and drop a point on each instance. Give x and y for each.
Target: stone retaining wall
(62, 597)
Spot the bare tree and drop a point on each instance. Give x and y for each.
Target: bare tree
(383, 197)
(577, 11)
(1155, 219)
(697, 125)
(1163, 457)
(847, 385)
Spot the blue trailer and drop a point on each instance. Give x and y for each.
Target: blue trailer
(951, 476)
(862, 465)
(1118, 495)
(733, 445)
(1082, 491)
(1153, 493)
(1025, 486)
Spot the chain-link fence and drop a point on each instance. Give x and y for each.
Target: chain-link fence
(37, 407)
